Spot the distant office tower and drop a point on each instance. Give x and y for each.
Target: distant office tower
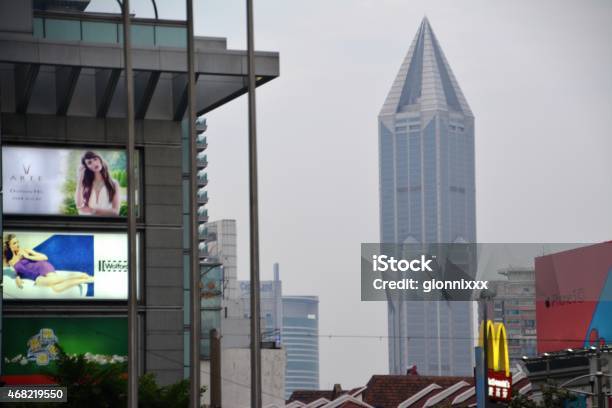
(218, 282)
(271, 305)
(515, 306)
(427, 194)
(301, 340)
(221, 247)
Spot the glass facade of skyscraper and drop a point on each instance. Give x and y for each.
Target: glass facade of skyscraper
(427, 195)
(300, 336)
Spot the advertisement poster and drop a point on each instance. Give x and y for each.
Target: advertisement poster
(65, 265)
(30, 345)
(571, 311)
(72, 182)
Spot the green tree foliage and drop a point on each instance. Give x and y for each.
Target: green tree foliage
(92, 385)
(69, 205)
(123, 210)
(152, 395)
(121, 177)
(552, 397)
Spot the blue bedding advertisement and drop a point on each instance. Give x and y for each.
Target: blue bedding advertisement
(65, 265)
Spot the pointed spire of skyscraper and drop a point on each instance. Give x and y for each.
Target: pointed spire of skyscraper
(425, 79)
(427, 195)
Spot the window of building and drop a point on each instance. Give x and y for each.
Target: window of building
(171, 36)
(95, 31)
(530, 324)
(38, 28)
(62, 30)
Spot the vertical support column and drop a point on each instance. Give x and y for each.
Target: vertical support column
(254, 217)
(601, 394)
(131, 220)
(194, 304)
(2, 236)
(215, 369)
(485, 348)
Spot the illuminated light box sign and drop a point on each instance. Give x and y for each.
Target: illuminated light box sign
(71, 182)
(65, 265)
(30, 345)
(499, 377)
(499, 386)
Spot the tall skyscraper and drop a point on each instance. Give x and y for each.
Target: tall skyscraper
(300, 336)
(271, 305)
(427, 195)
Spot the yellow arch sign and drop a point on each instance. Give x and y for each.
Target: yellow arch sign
(497, 346)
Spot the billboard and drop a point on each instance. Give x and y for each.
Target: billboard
(30, 345)
(65, 265)
(58, 181)
(574, 298)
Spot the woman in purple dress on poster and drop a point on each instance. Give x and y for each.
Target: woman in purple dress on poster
(35, 266)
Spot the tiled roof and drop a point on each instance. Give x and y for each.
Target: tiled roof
(351, 404)
(388, 391)
(446, 395)
(357, 391)
(308, 396)
(347, 401)
(321, 402)
(404, 391)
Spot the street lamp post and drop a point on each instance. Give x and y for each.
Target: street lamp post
(253, 217)
(486, 296)
(131, 220)
(215, 343)
(194, 304)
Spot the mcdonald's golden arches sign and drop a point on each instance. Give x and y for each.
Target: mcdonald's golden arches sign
(499, 379)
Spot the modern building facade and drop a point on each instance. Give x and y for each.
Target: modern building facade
(236, 377)
(515, 305)
(225, 312)
(290, 324)
(271, 306)
(220, 247)
(218, 268)
(300, 337)
(427, 195)
(225, 307)
(62, 87)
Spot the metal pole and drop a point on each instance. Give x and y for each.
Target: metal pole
(601, 396)
(253, 217)
(215, 369)
(194, 304)
(485, 351)
(131, 220)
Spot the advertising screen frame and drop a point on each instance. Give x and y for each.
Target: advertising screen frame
(79, 233)
(40, 349)
(69, 195)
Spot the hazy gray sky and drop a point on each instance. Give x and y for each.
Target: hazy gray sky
(537, 75)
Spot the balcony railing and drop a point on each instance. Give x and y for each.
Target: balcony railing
(202, 196)
(202, 214)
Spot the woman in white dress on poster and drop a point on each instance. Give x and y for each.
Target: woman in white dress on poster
(97, 193)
